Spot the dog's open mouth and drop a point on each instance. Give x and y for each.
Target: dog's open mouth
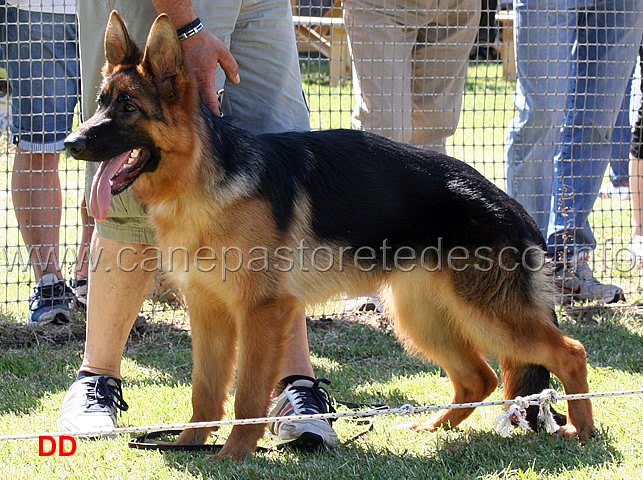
(114, 176)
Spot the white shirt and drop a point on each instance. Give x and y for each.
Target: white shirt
(45, 6)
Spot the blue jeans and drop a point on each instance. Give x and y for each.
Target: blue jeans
(40, 52)
(573, 62)
(621, 137)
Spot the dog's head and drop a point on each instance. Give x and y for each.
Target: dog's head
(144, 113)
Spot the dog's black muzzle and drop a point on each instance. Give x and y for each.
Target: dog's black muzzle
(76, 145)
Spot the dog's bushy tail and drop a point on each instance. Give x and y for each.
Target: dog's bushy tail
(522, 292)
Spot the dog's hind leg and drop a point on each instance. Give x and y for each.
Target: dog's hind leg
(213, 352)
(426, 326)
(263, 332)
(472, 378)
(526, 337)
(565, 358)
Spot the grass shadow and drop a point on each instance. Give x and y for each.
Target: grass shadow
(454, 455)
(359, 355)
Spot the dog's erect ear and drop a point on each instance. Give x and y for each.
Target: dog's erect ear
(119, 47)
(163, 57)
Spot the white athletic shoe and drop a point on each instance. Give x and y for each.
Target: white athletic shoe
(91, 404)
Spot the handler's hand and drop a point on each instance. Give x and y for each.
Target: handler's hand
(203, 52)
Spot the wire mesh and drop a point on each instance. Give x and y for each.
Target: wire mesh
(538, 97)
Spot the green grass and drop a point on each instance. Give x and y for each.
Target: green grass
(366, 364)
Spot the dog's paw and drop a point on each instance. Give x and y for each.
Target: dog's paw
(417, 427)
(193, 436)
(571, 431)
(235, 454)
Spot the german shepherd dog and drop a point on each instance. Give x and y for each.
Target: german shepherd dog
(460, 264)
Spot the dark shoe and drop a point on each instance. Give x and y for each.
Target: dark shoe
(50, 301)
(303, 397)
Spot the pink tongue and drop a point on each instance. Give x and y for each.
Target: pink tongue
(101, 193)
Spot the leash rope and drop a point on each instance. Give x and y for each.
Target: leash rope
(502, 422)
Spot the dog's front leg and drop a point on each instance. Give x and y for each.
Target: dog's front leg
(262, 342)
(213, 353)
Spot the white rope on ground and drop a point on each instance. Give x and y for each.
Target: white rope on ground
(519, 403)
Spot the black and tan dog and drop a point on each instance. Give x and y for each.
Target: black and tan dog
(304, 216)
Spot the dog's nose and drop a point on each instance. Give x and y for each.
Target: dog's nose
(75, 145)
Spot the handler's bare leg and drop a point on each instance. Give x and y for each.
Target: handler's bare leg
(116, 293)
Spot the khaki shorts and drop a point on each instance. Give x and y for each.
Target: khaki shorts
(270, 98)
(410, 61)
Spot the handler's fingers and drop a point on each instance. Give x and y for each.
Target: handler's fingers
(208, 94)
(229, 66)
(203, 52)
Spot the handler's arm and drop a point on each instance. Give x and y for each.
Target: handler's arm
(203, 51)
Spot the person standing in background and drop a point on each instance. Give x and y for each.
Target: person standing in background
(38, 45)
(573, 62)
(410, 61)
(636, 163)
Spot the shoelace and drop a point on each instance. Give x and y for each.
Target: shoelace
(584, 272)
(579, 268)
(47, 293)
(312, 400)
(568, 277)
(78, 290)
(105, 394)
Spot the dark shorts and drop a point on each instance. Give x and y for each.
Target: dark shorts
(40, 54)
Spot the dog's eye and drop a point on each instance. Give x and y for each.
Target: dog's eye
(129, 107)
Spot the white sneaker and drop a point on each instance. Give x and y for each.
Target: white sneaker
(80, 288)
(363, 304)
(303, 397)
(90, 404)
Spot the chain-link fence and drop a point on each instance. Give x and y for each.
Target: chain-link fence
(539, 95)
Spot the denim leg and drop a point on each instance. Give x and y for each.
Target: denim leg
(619, 158)
(544, 32)
(609, 35)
